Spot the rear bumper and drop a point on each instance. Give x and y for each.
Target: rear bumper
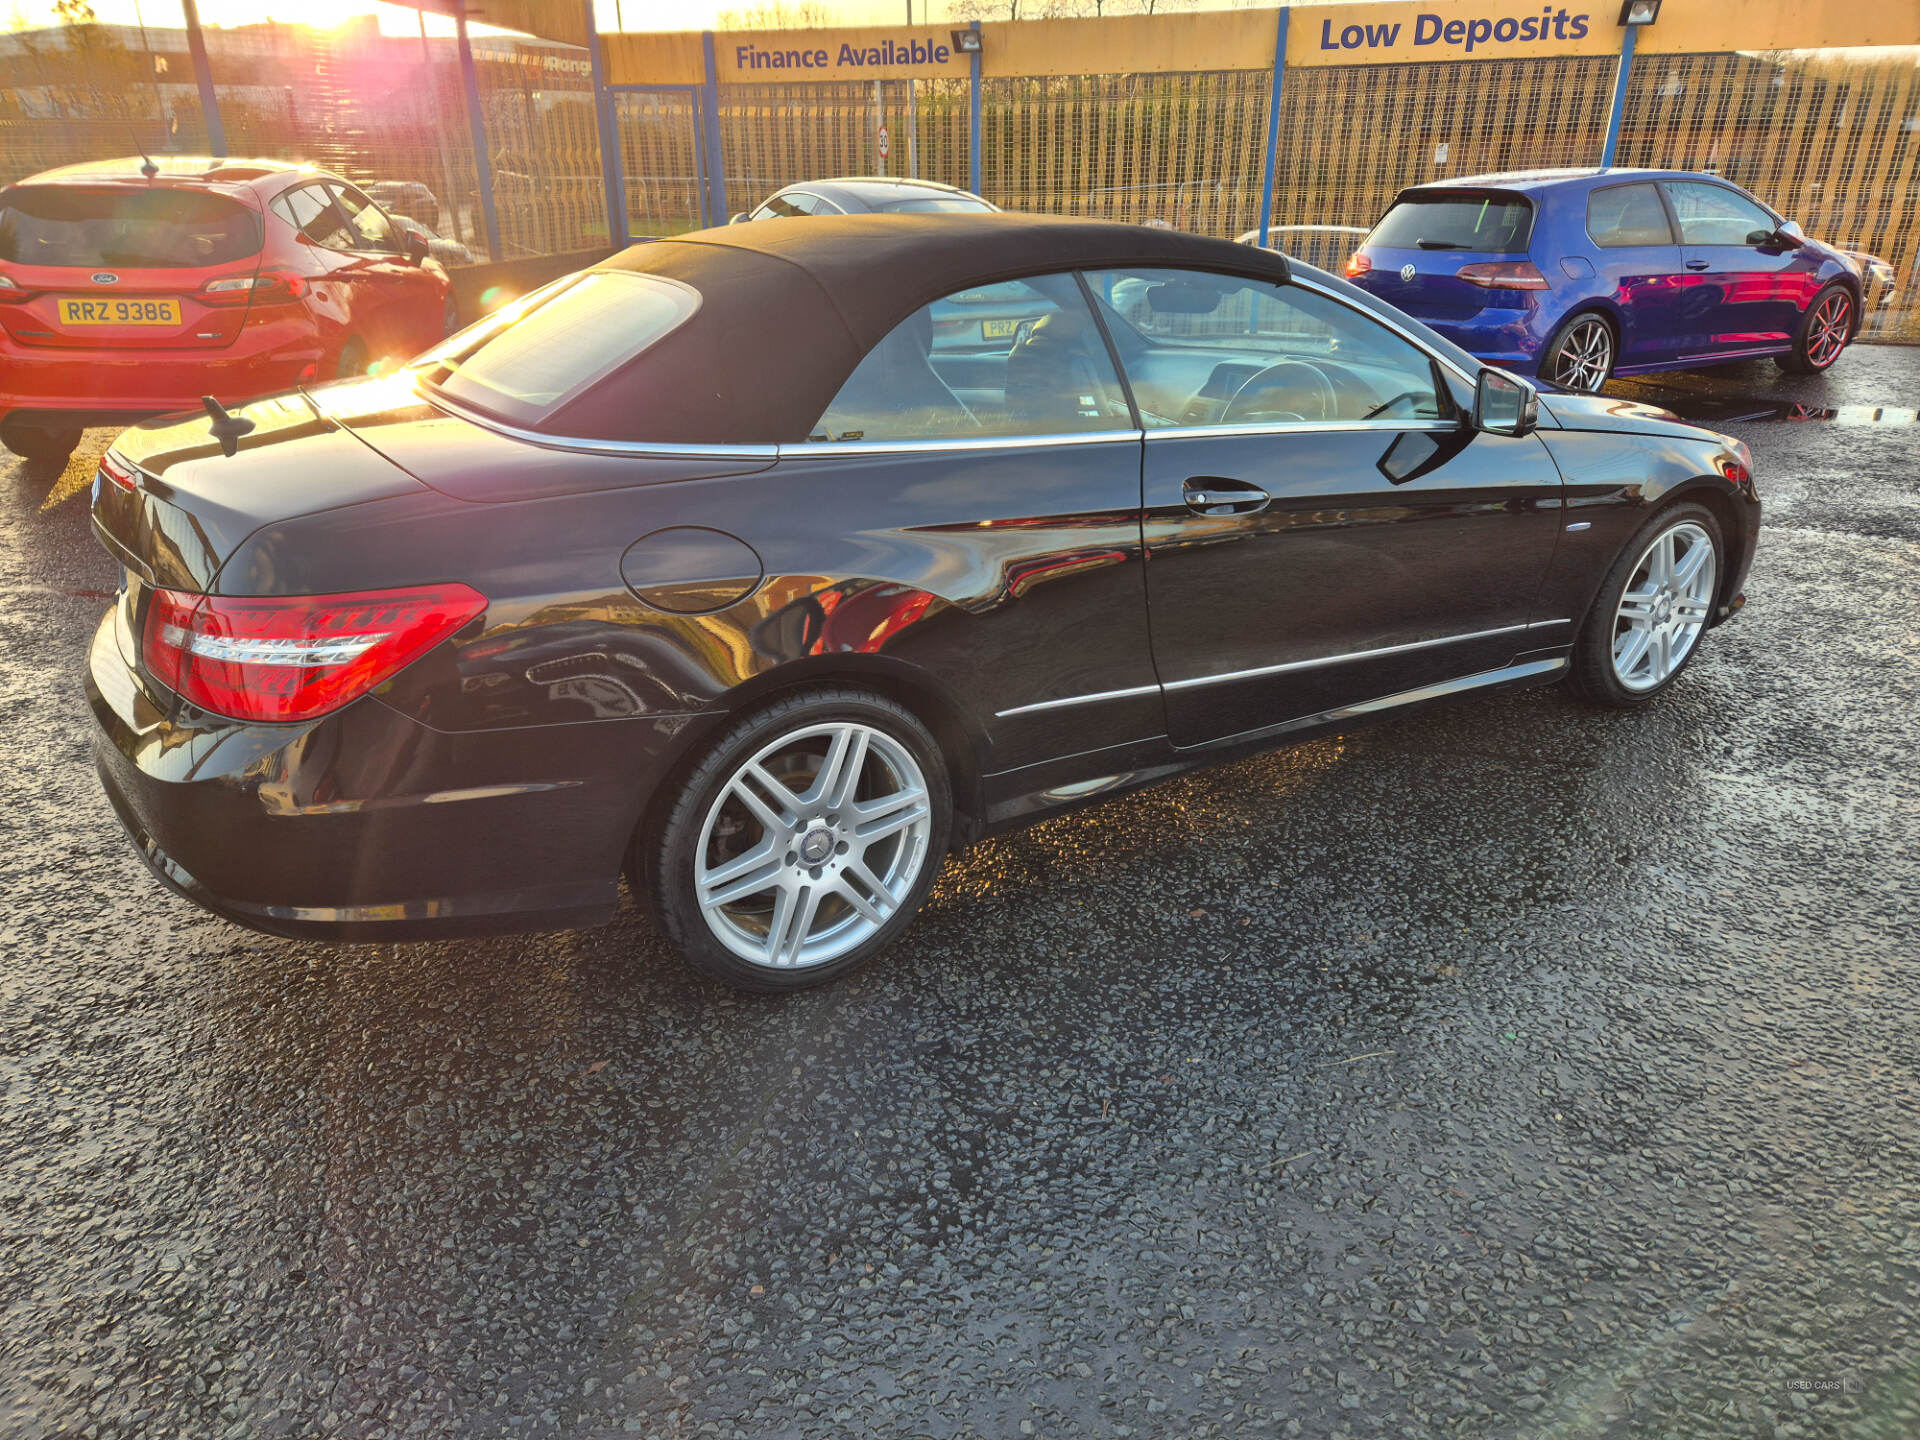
(367, 825)
(1499, 337)
(95, 387)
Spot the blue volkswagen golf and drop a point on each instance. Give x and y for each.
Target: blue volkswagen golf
(1579, 275)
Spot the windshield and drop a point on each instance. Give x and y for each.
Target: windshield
(527, 359)
(124, 228)
(1497, 224)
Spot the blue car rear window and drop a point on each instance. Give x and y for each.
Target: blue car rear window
(1489, 223)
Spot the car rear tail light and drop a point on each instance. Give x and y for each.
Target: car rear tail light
(1357, 265)
(297, 658)
(1736, 472)
(11, 293)
(119, 472)
(1503, 275)
(269, 287)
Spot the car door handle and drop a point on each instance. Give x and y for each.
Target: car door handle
(1699, 264)
(1219, 495)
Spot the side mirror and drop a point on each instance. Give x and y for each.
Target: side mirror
(1505, 404)
(739, 216)
(1791, 232)
(416, 246)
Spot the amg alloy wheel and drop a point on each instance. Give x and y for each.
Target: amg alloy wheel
(1652, 609)
(1664, 607)
(805, 842)
(1581, 356)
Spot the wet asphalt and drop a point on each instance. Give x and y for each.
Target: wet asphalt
(1513, 1069)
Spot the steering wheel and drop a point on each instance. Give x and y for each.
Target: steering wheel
(1289, 378)
(1380, 410)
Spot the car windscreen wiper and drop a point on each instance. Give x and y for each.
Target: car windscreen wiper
(1440, 245)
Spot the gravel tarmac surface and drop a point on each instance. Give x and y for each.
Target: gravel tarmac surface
(1513, 1069)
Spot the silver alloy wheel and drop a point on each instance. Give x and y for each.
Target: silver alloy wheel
(1664, 607)
(1828, 335)
(1586, 356)
(813, 844)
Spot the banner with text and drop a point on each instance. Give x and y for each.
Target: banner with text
(1400, 34)
(879, 52)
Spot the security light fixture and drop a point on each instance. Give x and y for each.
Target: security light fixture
(1639, 12)
(967, 42)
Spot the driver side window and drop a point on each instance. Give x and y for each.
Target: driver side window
(1019, 358)
(1207, 349)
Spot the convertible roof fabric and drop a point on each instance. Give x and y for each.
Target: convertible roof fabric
(789, 307)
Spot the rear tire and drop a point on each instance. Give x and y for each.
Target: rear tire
(802, 844)
(1581, 355)
(35, 442)
(1823, 334)
(353, 360)
(1653, 609)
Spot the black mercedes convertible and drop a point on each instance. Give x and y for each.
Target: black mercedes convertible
(769, 564)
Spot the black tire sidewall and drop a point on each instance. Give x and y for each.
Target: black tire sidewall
(1549, 357)
(38, 443)
(664, 859)
(1593, 649)
(344, 367)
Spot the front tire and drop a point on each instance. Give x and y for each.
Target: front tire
(37, 443)
(1652, 609)
(804, 841)
(1824, 332)
(1581, 355)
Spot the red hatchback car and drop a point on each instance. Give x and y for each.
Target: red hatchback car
(129, 288)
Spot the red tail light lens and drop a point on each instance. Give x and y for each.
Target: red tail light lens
(1357, 265)
(1504, 275)
(269, 287)
(298, 658)
(12, 294)
(119, 472)
(1736, 472)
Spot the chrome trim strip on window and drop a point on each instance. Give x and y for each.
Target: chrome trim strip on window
(988, 442)
(1076, 700)
(1341, 659)
(1299, 427)
(598, 447)
(1398, 329)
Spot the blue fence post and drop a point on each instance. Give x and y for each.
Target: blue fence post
(1273, 121)
(716, 190)
(611, 164)
(973, 120)
(203, 76)
(1619, 95)
(477, 124)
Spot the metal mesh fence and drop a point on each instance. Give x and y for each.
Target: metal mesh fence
(1352, 136)
(773, 135)
(1829, 139)
(1186, 149)
(660, 160)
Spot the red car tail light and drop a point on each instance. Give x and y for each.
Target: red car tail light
(11, 293)
(1503, 275)
(269, 287)
(1357, 265)
(1736, 472)
(119, 472)
(297, 658)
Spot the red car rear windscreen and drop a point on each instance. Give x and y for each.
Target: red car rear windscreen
(124, 229)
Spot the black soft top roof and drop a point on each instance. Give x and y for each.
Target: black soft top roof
(789, 307)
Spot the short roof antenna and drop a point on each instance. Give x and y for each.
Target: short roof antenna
(147, 167)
